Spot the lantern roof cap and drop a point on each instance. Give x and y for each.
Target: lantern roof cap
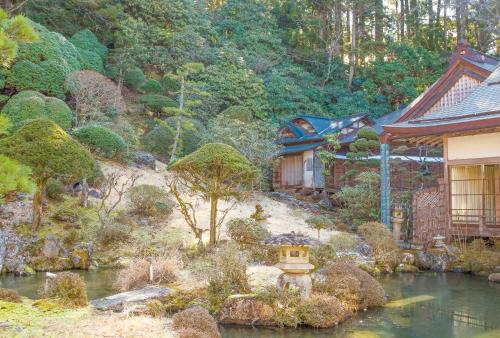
(291, 238)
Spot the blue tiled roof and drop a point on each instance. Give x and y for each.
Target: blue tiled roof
(299, 148)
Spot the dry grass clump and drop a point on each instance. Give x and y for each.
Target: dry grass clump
(322, 311)
(195, 322)
(69, 288)
(226, 273)
(9, 295)
(137, 274)
(351, 285)
(479, 258)
(285, 304)
(385, 250)
(155, 308)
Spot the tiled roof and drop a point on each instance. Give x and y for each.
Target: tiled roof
(482, 103)
(292, 149)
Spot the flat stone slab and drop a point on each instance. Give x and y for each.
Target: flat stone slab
(117, 302)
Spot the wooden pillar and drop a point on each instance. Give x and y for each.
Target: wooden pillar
(385, 180)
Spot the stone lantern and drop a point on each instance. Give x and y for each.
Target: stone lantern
(294, 261)
(397, 220)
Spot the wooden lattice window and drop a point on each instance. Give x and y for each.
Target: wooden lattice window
(475, 194)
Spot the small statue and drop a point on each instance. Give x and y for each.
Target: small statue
(259, 214)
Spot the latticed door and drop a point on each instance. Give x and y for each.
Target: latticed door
(429, 215)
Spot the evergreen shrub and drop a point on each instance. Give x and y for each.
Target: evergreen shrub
(101, 140)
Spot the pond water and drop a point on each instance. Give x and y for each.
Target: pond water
(98, 283)
(435, 305)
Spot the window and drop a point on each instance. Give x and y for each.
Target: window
(475, 194)
(308, 164)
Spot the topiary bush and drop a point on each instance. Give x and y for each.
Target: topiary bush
(134, 77)
(150, 200)
(87, 40)
(101, 141)
(90, 60)
(69, 288)
(29, 105)
(9, 295)
(159, 141)
(113, 233)
(44, 64)
(151, 87)
(195, 322)
(156, 102)
(54, 189)
(169, 83)
(319, 222)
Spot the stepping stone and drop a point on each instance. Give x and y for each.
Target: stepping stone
(118, 302)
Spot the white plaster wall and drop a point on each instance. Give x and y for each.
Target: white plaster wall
(308, 175)
(474, 146)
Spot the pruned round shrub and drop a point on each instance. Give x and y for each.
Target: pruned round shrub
(100, 140)
(136, 275)
(322, 254)
(322, 311)
(246, 231)
(134, 77)
(150, 200)
(156, 102)
(44, 64)
(29, 105)
(151, 86)
(54, 189)
(69, 288)
(196, 319)
(87, 40)
(351, 285)
(158, 141)
(9, 295)
(319, 222)
(90, 60)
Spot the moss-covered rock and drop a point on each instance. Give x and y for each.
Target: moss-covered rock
(406, 268)
(9, 295)
(42, 263)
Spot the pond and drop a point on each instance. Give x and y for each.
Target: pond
(436, 305)
(98, 283)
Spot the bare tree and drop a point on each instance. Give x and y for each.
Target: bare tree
(94, 95)
(115, 186)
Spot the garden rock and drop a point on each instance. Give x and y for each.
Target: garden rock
(408, 258)
(143, 159)
(246, 310)
(95, 194)
(13, 251)
(50, 246)
(81, 255)
(120, 301)
(436, 260)
(406, 268)
(494, 277)
(16, 213)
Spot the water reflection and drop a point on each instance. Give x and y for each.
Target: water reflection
(98, 283)
(431, 305)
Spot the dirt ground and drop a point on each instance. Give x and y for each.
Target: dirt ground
(282, 218)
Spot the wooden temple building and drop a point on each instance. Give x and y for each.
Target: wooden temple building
(299, 167)
(460, 112)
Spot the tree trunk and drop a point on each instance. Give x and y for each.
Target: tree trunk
(38, 205)
(407, 19)
(430, 24)
(178, 123)
(379, 20)
(445, 24)
(459, 21)
(338, 39)
(402, 21)
(213, 219)
(85, 193)
(354, 39)
(437, 30)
